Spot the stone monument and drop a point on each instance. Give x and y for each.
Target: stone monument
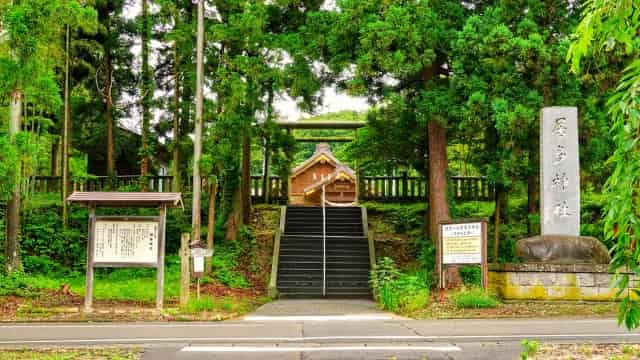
(559, 171)
(560, 241)
(559, 264)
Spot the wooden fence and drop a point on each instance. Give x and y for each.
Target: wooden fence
(371, 188)
(412, 188)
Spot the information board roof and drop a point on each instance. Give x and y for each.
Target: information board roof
(126, 199)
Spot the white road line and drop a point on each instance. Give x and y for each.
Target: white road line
(240, 324)
(263, 349)
(120, 325)
(359, 317)
(320, 338)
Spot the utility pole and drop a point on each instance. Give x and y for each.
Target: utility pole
(197, 141)
(12, 253)
(66, 127)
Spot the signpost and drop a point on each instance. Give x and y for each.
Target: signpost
(198, 254)
(462, 242)
(125, 241)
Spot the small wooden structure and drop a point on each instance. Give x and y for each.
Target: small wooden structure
(322, 171)
(126, 241)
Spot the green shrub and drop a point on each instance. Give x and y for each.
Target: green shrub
(44, 237)
(529, 348)
(474, 298)
(404, 219)
(45, 265)
(14, 283)
(396, 291)
(426, 261)
(471, 275)
(224, 264)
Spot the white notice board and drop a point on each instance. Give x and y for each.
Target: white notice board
(462, 243)
(126, 241)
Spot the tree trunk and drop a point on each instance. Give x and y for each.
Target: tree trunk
(235, 216)
(438, 205)
(266, 188)
(176, 182)
(12, 249)
(147, 95)
(108, 98)
(246, 178)
(211, 219)
(197, 141)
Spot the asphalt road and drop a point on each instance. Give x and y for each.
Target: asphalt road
(320, 338)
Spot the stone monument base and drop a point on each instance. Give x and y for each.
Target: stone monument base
(537, 281)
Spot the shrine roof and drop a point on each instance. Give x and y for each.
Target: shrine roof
(322, 152)
(341, 172)
(126, 199)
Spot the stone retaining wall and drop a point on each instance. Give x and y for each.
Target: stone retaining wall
(553, 282)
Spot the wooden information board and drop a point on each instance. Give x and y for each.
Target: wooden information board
(126, 241)
(463, 242)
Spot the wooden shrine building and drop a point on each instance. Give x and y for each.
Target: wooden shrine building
(322, 171)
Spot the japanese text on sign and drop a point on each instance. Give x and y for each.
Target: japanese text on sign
(126, 241)
(462, 243)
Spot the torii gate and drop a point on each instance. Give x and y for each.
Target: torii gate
(311, 125)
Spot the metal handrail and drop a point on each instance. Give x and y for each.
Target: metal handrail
(324, 246)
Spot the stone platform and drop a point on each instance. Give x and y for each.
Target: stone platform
(537, 281)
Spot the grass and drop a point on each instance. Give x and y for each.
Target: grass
(75, 354)
(474, 298)
(585, 351)
(520, 309)
(210, 304)
(119, 284)
(196, 306)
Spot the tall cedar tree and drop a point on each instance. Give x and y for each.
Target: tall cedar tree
(34, 32)
(397, 53)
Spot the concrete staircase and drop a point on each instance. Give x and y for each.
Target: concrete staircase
(300, 267)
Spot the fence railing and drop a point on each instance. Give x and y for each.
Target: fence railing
(413, 188)
(401, 188)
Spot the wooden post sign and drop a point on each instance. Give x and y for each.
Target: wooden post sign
(198, 254)
(126, 241)
(462, 242)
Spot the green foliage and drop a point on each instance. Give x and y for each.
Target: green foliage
(225, 262)
(508, 62)
(14, 283)
(471, 275)
(474, 298)
(608, 34)
(405, 219)
(427, 261)
(45, 242)
(9, 167)
(396, 291)
(529, 348)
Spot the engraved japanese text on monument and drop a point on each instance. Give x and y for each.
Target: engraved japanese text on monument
(126, 241)
(559, 171)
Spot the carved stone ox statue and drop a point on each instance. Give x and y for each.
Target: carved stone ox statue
(562, 249)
